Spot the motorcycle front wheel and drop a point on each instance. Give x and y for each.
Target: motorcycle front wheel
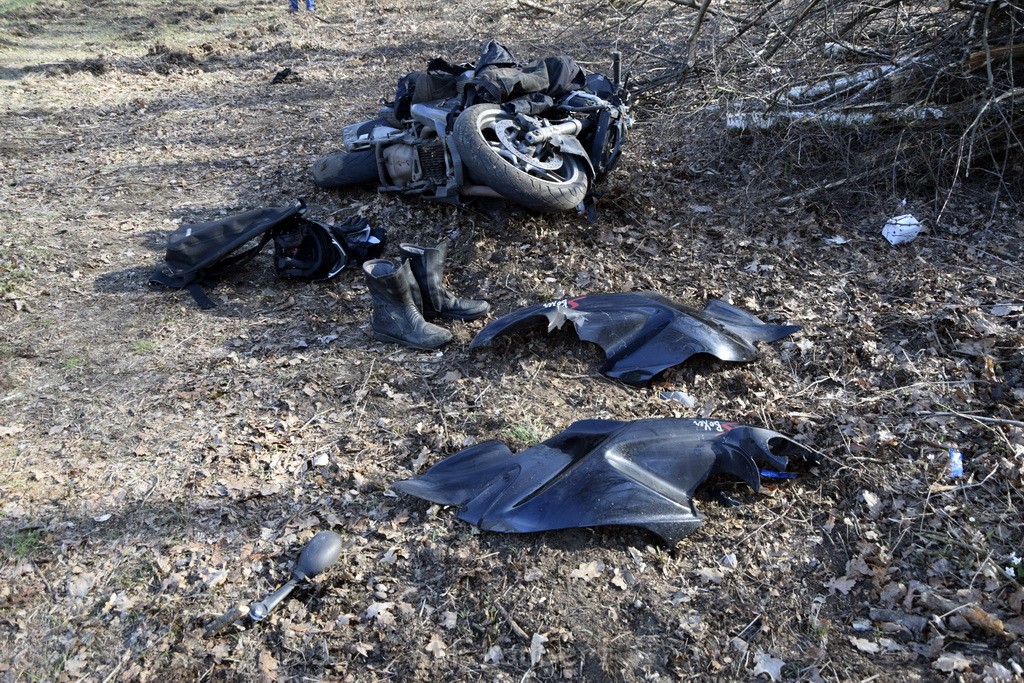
(345, 168)
(538, 177)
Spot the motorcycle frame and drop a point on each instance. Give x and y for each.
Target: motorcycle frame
(429, 120)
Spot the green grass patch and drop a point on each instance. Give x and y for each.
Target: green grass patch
(144, 346)
(523, 433)
(21, 544)
(11, 5)
(12, 278)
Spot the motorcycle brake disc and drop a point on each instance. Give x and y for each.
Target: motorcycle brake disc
(507, 132)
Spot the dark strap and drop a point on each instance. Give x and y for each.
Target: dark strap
(236, 260)
(199, 296)
(194, 288)
(159, 277)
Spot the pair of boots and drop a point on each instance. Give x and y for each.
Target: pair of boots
(406, 291)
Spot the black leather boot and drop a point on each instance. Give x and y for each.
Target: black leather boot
(428, 267)
(396, 315)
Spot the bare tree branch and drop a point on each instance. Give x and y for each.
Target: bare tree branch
(691, 53)
(692, 4)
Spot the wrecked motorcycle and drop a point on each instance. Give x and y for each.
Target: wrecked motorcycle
(538, 135)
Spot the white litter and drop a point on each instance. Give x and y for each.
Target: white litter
(901, 229)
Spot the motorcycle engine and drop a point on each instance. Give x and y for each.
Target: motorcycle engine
(403, 164)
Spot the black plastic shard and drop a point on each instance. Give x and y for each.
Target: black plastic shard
(644, 333)
(603, 472)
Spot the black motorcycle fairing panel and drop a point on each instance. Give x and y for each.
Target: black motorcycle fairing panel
(645, 333)
(603, 472)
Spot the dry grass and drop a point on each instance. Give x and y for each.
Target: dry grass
(159, 463)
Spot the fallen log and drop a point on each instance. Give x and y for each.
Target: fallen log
(743, 122)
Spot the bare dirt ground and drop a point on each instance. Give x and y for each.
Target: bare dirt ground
(159, 463)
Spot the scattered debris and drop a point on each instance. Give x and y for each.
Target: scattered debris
(864, 645)
(956, 463)
(901, 229)
(196, 433)
(764, 663)
(537, 648)
(643, 334)
(320, 553)
(952, 662)
(679, 397)
(286, 75)
(603, 472)
(976, 616)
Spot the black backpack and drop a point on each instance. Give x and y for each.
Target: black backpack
(199, 254)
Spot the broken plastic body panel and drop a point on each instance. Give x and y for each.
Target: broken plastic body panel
(645, 333)
(603, 472)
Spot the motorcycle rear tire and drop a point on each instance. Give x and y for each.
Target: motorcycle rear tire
(346, 168)
(479, 149)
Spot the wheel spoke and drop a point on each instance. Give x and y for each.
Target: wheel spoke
(508, 156)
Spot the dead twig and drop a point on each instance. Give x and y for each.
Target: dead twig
(786, 34)
(974, 418)
(979, 251)
(117, 667)
(42, 577)
(804, 194)
(976, 616)
(750, 22)
(755, 622)
(236, 612)
(691, 51)
(516, 628)
(703, 7)
(537, 6)
(145, 498)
